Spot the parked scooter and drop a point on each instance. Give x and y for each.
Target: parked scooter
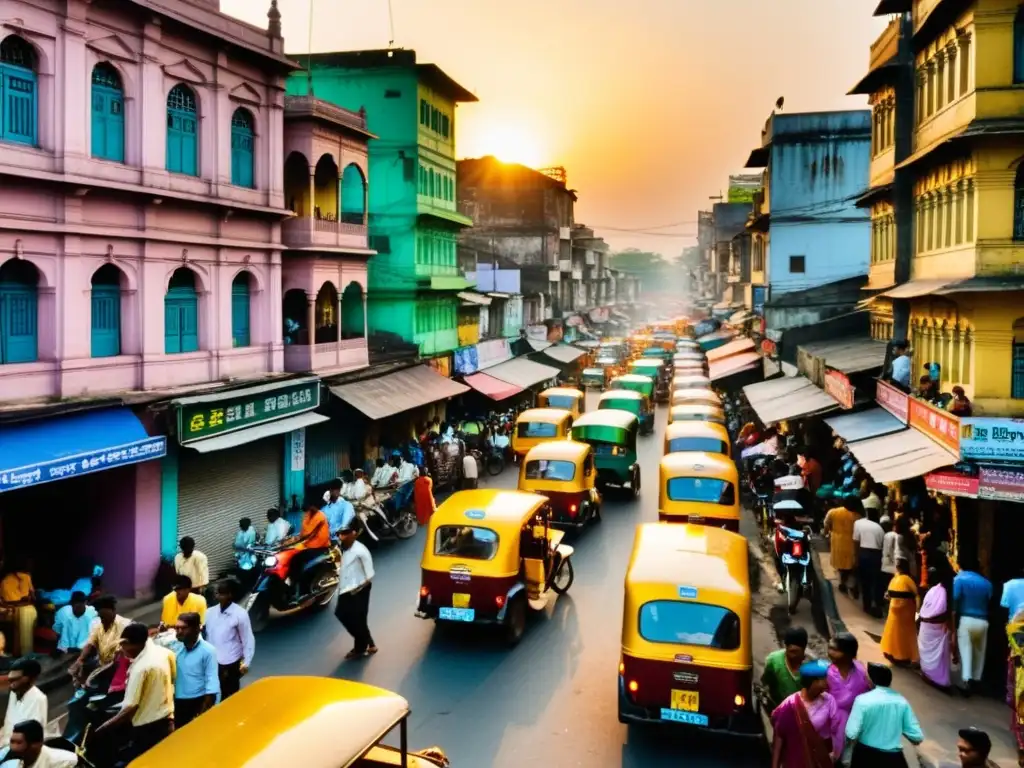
(793, 550)
(290, 590)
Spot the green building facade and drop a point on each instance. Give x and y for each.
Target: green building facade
(414, 279)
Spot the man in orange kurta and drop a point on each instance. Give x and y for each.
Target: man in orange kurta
(423, 497)
(839, 527)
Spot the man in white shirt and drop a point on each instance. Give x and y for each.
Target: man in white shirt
(26, 701)
(192, 563)
(277, 527)
(354, 488)
(407, 471)
(384, 476)
(868, 537)
(470, 472)
(27, 747)
(354, 591)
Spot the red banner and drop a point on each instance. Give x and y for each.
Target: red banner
(941, 426)
(838, 385)
(1001, 484)
(952, 484)
(893, 400)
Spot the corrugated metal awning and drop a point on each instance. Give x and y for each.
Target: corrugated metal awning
(564, 353)
(916, 288)
(849, 355)
(398, 392)
(522, 372)
(496, 389)
(474, 298)
(734, 364)
(873, 422)
(900, 456)
(787, 398)
(734, 347)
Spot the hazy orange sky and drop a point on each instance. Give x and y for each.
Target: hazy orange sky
(649, 104)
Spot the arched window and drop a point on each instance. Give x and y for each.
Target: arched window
(294, 315)
(17, 91)
(1018, 204)
(352, 319)
(326, 314)
(1017, 382)
(240, 301)
(242, 149)
(1018, 46)
(106, 311)
(107, 113)
(181, 313)
(19, 312)
(182, 131)
(353, 195)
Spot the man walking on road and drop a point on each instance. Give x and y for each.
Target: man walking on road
(868, 537)
(878, 722)
(971, 595)
(228, 630)
(973, 749)
(354, 592)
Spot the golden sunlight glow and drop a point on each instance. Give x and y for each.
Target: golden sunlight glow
(512, 144)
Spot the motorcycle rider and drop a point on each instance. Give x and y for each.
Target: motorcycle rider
(338, 510)
(277, 528)
(315, 538)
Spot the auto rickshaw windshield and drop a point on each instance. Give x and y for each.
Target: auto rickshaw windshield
(694, 443)
(543, 469)
(704, 490)
(536, 429)
(689, 623)
(466, 541)
(561, 401)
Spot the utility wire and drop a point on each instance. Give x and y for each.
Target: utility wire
(391, 25)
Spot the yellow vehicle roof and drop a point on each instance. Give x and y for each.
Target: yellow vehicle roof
(544, 415)
(698, 464)
(621, 394)
(695, 393)
(562, 392)
(696, 429)
(555, 450)
(491, 508)
(315, 722)
(700, 556)
(682, 410)
(686, 375)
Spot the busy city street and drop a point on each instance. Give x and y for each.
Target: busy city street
(552, 699)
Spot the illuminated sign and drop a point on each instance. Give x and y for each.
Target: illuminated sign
(203, 417)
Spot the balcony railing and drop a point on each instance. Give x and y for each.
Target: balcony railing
(343, 355)
(324, 232)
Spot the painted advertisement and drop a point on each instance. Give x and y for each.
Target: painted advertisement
(893, 400)
(1001, 484)
(941, 426)
(743, 186)
(984, 439)
(838, 385)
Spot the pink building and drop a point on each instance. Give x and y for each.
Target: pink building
(146, 248)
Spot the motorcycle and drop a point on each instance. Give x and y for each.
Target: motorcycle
(277, 587)
(89, 707)
(793, 550)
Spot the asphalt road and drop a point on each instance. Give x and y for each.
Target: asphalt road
(550, 701)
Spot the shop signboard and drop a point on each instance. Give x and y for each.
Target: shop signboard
(743, 186)
(298, 450)
(466, 360)
(893, 400)
(952, 484)
(941, 426)
(83, 464)
(493, 352)
(208, 416)
(983, 439)
(1001, 484)
(838, 385)
(442, 365)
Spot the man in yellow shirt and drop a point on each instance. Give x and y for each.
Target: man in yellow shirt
(149, 696)
(104, 636)
(192, 563)
(17, 595)
(181, 600)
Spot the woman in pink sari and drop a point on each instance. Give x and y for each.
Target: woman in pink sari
(806, 725)
(934, 636)
(847, 679)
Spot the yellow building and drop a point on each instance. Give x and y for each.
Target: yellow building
(966, 288)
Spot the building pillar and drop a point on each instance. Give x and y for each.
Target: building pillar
(294, 475)
(169, 501)
(310, 319)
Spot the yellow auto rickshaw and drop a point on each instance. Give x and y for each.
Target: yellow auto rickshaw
(563, 398)
(697, 436)
(687, 395)
(536, 425)
(696, 412)
(699, 488)
(686, 631)
(690, 380)
(490, 556)
(284, 721)
(564, 471)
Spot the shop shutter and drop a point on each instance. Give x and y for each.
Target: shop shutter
(216, 490)
(326, 453)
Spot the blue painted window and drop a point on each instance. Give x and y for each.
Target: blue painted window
(1017, 384)
(182, 131)
(353, 196)
(17, 91)
(106, 312)
(242, 149)
(181, 313)
(1018, 47)
(19, 312)
(107, 113)
(240, 310)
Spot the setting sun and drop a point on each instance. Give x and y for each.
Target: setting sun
(511, 143)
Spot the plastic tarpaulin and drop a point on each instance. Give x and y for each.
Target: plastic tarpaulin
(787, 398)
(496, 389)
(397, 392)
(746, 361)
(900, 456)
(873, 422)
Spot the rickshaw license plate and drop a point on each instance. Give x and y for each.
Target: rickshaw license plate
(457, 614)
(687, 701)
(460, 600)
(678, 716)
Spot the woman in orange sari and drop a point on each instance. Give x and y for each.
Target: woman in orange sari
(899, 639)
(423, 497)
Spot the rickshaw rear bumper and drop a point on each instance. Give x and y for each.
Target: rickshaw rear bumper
(744, 724)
